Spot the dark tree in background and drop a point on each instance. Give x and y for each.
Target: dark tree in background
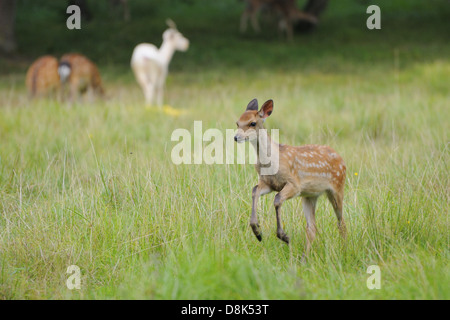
(7, 21)
(85, 12)
(114, 4)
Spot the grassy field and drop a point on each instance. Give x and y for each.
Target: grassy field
(93, 185)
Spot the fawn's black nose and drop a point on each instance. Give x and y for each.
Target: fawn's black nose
(235, 138)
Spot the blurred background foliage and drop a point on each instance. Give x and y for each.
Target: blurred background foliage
(415, 29)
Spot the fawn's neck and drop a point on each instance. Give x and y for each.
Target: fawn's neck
(167, 50)
(266, 148)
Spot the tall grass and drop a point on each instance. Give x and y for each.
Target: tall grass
(93, 184)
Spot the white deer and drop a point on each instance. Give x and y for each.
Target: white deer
(150, 64)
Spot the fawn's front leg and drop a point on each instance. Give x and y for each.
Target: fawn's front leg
(286, 193)
(260, 189)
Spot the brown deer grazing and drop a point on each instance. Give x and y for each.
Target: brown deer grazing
(42, 76)
(307, 171)
(81, 74)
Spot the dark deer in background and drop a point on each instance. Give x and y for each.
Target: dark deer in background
(287, 11)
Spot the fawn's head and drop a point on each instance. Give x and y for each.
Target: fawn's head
(175, 37)
(252, 120)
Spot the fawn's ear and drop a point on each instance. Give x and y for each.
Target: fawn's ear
(266, 109)
(252, 105)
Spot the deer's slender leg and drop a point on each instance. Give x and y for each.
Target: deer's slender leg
(260, 189)
(336, 200)
(126, 11)
(286, 193)
(74, 90)
(255, 23)
(251, 11)
(309, 209)
(145, 84)
(159, 89)
(244, 18)
(149, 92)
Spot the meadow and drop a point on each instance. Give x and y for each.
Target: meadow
(93, 184)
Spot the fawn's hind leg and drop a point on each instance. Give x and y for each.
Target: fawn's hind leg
(286, 193)
(336, 200)
(309, 209)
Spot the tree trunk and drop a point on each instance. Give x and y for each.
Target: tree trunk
(7, 21)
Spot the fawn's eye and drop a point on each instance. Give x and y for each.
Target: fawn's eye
(252, 124)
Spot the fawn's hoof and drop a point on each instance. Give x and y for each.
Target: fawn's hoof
(256, 231)
(283, 237)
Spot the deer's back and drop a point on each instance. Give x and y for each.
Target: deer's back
(83, 71)
(313, 169)
(42, 75)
